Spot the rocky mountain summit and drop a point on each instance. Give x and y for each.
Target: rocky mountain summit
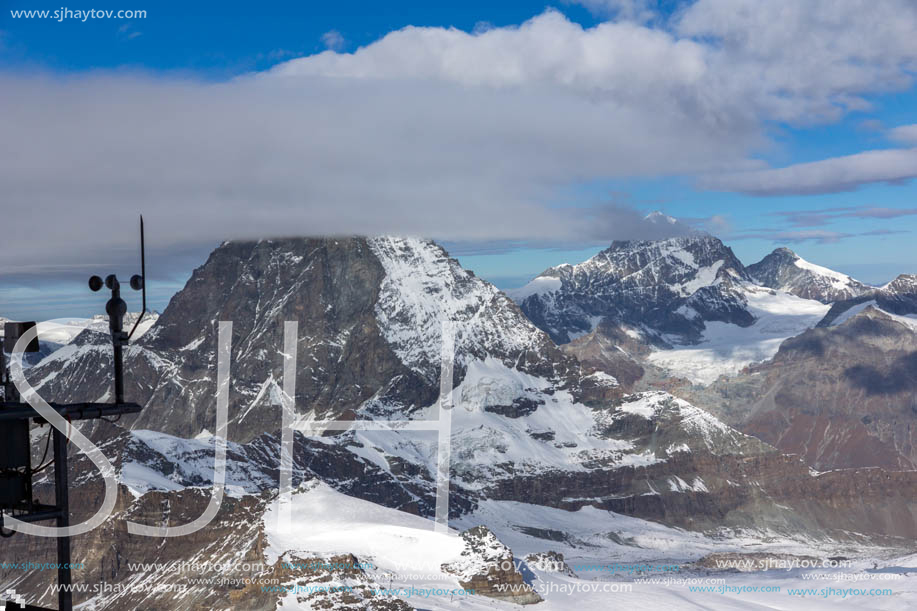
(784, 270)
(665, 289)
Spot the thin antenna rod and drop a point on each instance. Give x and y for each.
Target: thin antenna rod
(142, 275)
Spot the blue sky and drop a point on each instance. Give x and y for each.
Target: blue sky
(511, 127)
(222, 39)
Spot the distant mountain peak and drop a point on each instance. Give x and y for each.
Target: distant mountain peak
(784, 270)
(689, 240)
(667, 287)
(904, 283)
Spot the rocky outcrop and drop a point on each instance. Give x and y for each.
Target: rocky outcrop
(770, 492)
(335, 583)
(549, 562)
(609, 348)
(487, 567)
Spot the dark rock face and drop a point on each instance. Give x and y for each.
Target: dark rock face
(608, 348)
(664, 288)
(839, 396)
(328, 286)
(785, 270)
(521, 406)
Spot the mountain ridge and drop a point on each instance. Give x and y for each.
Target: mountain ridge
(664, 287)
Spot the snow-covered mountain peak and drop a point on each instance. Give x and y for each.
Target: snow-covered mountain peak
(903, 284)
(665, 287)
(783, 269)
(370, 315)
(672, 261)
(689, 297)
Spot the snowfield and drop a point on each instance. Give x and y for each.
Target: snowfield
(406, 552)
(727, 348)
(485, 442)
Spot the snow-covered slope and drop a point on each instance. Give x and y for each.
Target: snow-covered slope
(423, 288)
(408, 556)
(406, 553)
(507, 424)
(909, 320)
(58, 333)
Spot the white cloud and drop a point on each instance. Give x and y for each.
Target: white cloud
(809, 59)
(826, 176)
(435, 131)
(547, 50)
(904, 133)
(333, 40)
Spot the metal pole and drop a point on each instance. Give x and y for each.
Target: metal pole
(116, 309)
(62, 500)
(119, 372)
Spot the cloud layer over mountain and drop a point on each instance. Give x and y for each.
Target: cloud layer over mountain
(454, 135)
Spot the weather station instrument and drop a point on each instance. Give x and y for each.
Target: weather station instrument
(18, 420)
